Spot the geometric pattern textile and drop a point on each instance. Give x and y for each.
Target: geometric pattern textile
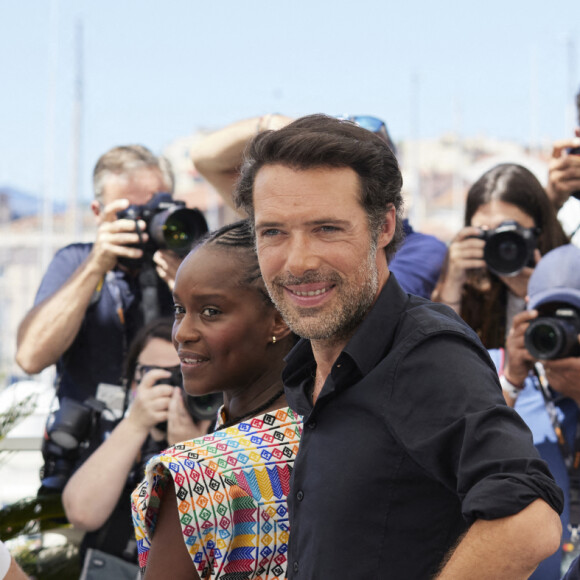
(231, 487)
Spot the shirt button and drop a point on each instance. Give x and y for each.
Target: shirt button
(311, 424)
(300, 495)
(295, 566)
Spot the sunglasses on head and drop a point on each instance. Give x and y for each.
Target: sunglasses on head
(372, 124)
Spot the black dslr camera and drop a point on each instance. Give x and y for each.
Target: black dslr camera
(69, 430)
(509, 248)
(554, 335)
(200, 408)
(168, 222)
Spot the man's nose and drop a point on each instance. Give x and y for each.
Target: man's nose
(301, 255)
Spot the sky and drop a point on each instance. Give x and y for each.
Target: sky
(153, 72)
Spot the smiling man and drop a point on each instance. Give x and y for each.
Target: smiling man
(410, 465)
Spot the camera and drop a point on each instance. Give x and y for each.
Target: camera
(68, 430)
(200, 408)
(554, 336)
(574, 151)
(509, 248)
(168, 222)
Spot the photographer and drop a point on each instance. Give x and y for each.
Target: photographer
(97, 496)
(91, 301)
(509, 224)
(564, 181)
(542, 371)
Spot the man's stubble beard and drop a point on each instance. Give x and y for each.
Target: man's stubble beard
(333, 322)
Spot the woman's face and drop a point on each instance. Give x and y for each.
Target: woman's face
(222, 325)
(158, 352)
(490, 215)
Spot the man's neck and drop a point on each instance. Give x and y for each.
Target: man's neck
(325, 355)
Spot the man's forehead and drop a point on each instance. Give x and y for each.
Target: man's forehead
(138, 185)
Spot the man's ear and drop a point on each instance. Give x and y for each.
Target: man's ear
(96, 208)
(279, 328)
(388, 229)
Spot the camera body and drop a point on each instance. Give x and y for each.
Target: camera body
(69, 431)
(200, 408)
(169, 224)
(509, 248)
(554, 335)
(574, 151)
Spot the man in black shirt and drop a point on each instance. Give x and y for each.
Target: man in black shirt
(410, 464)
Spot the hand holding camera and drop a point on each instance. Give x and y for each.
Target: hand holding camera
(150, 407)
(116, 238)
(564, 171)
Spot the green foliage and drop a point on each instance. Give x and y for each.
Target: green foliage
(17, 412)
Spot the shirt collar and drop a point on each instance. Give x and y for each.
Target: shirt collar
(366, 348)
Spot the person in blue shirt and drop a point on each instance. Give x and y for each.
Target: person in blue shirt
(546, 391)
(88, 307)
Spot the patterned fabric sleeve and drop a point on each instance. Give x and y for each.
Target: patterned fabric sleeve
(231, 487)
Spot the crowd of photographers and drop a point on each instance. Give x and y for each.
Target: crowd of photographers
(511, 273)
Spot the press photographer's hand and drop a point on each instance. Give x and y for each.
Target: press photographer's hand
(518, 359)
(151, 403)
(563, 171)
(114, 237)
(564, 376)
(166, 264)
(465, 253)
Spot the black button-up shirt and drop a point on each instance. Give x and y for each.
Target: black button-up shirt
(408, 443)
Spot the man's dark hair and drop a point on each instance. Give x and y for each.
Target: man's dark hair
(322, 141)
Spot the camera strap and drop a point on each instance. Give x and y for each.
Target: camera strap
(149, 297)
(570, 456)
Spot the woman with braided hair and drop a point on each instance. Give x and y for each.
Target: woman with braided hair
(215, 507)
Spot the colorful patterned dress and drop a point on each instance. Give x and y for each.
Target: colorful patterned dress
(231, 487)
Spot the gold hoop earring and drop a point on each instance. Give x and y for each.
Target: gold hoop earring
(273, 340)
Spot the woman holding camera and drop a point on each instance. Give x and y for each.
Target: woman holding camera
(215, 507)
(508, 197)
(97, 496)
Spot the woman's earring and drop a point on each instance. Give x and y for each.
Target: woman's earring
(273, 340)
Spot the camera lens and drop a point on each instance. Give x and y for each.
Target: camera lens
(177, 228)
(204, 407)
(543, 339)
(506, 253)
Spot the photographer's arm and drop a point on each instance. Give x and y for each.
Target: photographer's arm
(49, 328)
(218, 156)
(507, 548)
(563, 172)
(91, 494)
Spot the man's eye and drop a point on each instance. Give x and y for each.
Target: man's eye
(329, 229)
(270, 232)
(177, 309)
